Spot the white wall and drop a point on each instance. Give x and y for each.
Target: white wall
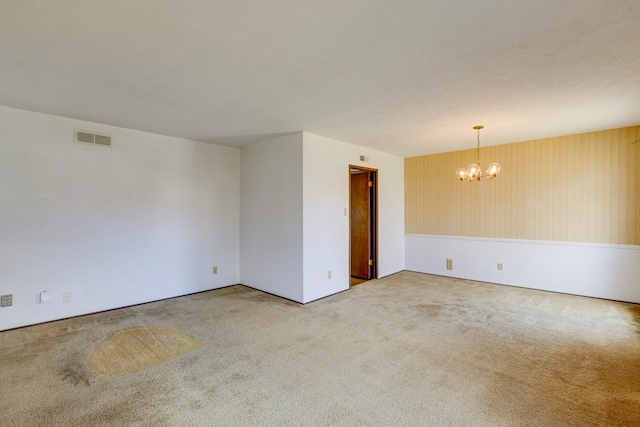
(294, 190)
(148, 218)
(271, 216)
(143, 220)
(326, 227)
(595, 270)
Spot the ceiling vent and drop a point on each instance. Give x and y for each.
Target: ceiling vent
(92, 138)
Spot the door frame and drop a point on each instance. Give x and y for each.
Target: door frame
(373, 218)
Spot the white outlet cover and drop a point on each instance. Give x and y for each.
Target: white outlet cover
(44, 297)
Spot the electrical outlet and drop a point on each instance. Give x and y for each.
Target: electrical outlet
(215, 270)
(449, 264)
(66, 297)
(329, 274)
(6, 300)
(500, 266)
(44, 297)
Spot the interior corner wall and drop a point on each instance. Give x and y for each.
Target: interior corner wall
(271, 217)
(562, 216)
(143, 220)
(325, 223)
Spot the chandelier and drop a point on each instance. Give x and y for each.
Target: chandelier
(474, 171)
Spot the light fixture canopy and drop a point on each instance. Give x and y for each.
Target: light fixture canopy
(474, 171)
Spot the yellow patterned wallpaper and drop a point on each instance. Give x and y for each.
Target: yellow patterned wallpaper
(576, 188)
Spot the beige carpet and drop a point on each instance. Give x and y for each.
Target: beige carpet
(410, 349)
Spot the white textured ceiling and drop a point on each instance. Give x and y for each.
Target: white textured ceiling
(405, 77)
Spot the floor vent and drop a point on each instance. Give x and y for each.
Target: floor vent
(92, 138)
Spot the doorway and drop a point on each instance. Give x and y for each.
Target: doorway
(363, 224)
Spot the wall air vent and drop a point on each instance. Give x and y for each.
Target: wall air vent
(92, 138)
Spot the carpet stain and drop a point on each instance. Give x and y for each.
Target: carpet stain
(634, 309)
(430, 310)
(161, 310)
(76, 374)
(409, 327)
(133, 349)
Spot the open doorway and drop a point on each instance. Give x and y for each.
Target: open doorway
(363, 224)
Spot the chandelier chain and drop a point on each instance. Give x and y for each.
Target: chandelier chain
(478, 148)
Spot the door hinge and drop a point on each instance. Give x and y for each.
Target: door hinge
(370, 183)
(370, 262)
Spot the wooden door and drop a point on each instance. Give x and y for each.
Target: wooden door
(361, 225)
